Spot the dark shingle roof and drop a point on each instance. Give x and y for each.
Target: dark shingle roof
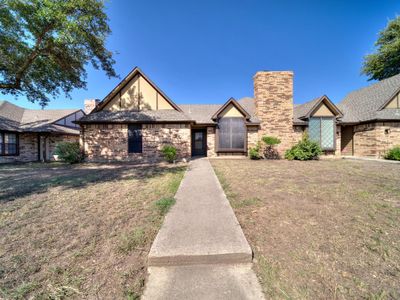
(16, 118)
(365, 104)
(132, 116)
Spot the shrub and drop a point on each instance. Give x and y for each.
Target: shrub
(169, 153)
(393, 154)
(304, 150)
(254, 152)
(69, 152)
(270, 152)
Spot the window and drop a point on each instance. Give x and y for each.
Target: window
(322, 131)
(8, 143)
(135, 138)
(231, 134)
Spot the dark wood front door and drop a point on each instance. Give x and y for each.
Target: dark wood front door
(199, 142)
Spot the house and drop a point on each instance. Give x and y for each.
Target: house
(137, 118)
(31, 135)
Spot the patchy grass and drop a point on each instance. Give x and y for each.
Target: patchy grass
(163, 205)
(80, 231)
(319, 229)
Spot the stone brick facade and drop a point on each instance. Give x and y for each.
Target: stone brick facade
(375, 139)
(28, 147)
(106, 142)
(211, 142)
(273, 93)
(252, 136)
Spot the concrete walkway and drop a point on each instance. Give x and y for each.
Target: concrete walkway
(201, 251)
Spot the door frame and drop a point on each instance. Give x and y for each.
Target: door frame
(193, 133)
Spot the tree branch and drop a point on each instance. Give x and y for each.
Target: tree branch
(28, 62)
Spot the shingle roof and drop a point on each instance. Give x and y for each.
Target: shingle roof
(364, 104)
(16, 118)
(163, 115)
(202, 113)
(300, 110)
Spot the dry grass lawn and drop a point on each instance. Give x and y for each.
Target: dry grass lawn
(80, 231)
(320, 229)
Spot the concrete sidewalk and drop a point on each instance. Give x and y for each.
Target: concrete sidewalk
(201, 251)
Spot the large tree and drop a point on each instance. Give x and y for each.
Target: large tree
(386, 61)
(45, 46)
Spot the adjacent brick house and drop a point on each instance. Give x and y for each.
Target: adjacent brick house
(32, 135)
(136, 119)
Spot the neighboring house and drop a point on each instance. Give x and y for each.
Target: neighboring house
(136, 119)
(31, 135)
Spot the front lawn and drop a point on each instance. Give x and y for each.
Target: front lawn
(80, 231)
(319, 229)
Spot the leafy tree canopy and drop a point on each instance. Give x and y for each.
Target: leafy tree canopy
(386, 61)
(46, 44)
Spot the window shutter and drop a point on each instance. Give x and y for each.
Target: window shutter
(135, 138)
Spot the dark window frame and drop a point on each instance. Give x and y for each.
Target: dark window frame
(320, 132)
(135, 138)
(239, 150)
(3, 144)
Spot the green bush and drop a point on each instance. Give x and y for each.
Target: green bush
(270, 152)
(254, 152)
(169, 153)
(271, 140)
(304, 150)
(69, 152)
(393, 154)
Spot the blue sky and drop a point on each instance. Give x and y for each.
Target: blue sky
(207, 51)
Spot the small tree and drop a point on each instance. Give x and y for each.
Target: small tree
(385, 62)
(69, 152)
(170, 153)
(270, 152)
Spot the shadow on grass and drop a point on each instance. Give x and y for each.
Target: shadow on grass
(25, 179)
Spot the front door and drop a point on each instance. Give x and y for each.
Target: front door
(199, 142)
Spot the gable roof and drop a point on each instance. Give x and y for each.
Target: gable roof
(367, 104)
(302, 112)
(204, 113)
(235, 104)
(125, 81)
(16, 118)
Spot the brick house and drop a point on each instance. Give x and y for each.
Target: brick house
(136, 119)
(32, 135)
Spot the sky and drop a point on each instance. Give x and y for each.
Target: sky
(208, 51)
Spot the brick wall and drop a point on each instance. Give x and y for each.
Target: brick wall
(28, 147)
(374, 139)
(273, 93)
(104, 142)
(252, 137)
(211, 142)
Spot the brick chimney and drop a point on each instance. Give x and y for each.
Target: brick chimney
(90, 104)
(273, 94)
